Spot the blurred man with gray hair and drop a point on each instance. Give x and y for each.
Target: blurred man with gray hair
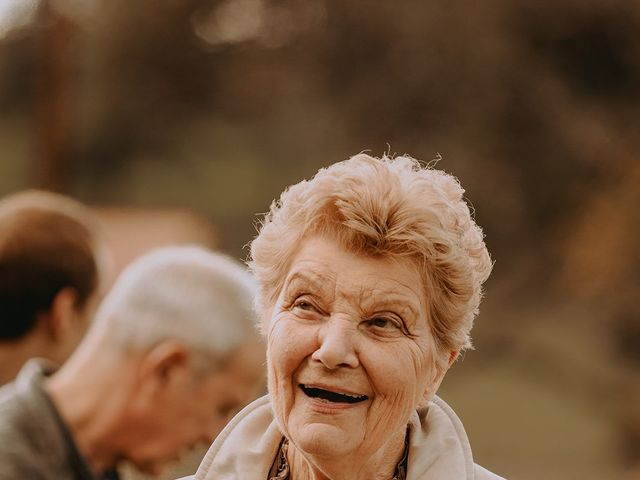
(173, 352)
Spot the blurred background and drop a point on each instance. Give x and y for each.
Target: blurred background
(180, 120)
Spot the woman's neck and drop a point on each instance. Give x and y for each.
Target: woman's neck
(380, 465)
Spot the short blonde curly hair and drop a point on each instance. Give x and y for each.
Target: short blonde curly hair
(384, 207)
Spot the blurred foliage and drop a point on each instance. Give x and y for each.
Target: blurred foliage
(218, 105)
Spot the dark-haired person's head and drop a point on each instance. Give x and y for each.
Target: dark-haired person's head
(51, 258)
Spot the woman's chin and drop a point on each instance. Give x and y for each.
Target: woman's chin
(322, 439)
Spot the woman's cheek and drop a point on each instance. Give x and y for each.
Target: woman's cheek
(393, 372)
(277, 388)
(285, 355)
(285, 349)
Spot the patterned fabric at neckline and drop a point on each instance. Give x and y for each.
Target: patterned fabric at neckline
(280, 468)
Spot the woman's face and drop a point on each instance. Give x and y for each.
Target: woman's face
(350, 353)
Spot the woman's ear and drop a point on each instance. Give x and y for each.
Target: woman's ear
(453, 356)
(265, 321)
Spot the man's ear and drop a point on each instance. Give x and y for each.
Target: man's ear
(440, 368)
(162, 364)
(62, 314)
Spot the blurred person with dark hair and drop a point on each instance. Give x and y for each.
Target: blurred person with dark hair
(172, 353)
(51, 277)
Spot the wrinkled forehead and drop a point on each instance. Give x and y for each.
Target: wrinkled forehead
(325, 268)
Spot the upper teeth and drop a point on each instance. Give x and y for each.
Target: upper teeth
(352, 395)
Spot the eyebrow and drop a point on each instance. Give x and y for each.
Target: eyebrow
(307, 278)
(398, 304)
(381, 298)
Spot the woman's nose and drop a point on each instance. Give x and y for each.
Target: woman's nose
(335, 345)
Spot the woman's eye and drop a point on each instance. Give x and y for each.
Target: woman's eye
(304, 305)
(381, 322)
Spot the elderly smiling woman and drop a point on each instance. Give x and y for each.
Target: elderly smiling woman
(370, 278)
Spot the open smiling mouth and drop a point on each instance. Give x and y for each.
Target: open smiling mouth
(330, 396)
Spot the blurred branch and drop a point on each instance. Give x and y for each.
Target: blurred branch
(52, 160)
